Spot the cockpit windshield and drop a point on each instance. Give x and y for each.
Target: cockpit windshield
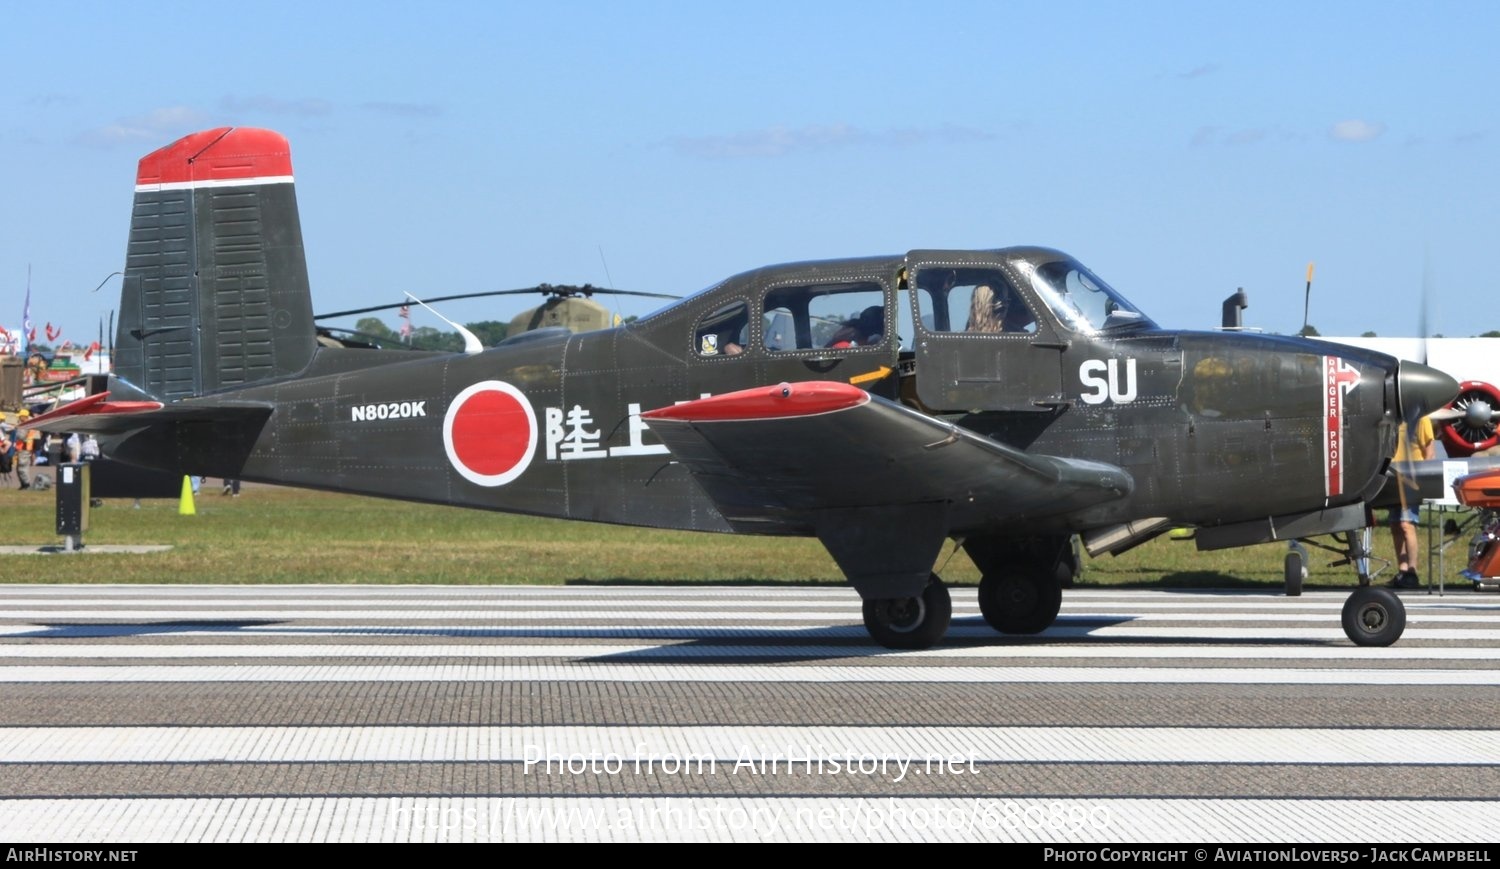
(1079, 298)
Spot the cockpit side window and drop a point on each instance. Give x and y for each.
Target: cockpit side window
(1078, 297)
(724, 332)
(977, 300)
(832, 316)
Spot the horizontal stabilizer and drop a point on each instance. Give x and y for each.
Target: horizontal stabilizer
(98, 415)
(93, 405)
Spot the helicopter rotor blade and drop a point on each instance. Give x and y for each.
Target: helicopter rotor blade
(560, 291)
(373, 308)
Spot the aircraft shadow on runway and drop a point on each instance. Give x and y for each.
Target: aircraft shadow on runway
(87, 630)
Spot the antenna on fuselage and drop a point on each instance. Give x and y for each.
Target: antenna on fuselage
(472, 344)
(1232, 318)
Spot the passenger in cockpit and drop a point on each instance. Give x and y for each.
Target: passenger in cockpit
(866, 329)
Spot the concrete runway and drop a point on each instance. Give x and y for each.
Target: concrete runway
(437, 713)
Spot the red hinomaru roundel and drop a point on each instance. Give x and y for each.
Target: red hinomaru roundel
(489, 433)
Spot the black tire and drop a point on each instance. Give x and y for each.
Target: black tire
(1293, 573)
(1374, 616)
(1020, 602)
(911, 622)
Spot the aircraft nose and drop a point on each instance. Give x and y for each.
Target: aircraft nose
(1421, 389)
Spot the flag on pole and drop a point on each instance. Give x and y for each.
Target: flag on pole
(53, 334)
(27, 328)
(405, 316)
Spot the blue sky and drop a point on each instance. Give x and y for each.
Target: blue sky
(1181, 150)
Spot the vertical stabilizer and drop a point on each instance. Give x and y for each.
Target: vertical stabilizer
(215, 292)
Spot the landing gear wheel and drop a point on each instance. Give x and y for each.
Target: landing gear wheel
(1293, 573)
(1374, 616)
(910, 622)
(1020, 602)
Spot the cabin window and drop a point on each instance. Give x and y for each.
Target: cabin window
(977, 300)
(832, 316)
(725, 332)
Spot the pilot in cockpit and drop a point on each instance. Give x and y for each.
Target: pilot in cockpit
(993, 312)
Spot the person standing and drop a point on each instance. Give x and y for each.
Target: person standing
(1404, 519)
(7, 452)
(26, 441)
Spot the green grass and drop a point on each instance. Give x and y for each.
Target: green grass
(279, 535)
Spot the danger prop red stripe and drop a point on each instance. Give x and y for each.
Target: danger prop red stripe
(1338, 378)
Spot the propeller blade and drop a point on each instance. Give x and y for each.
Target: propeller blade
(1426, 303)
(1420, 390)
(1307, 299)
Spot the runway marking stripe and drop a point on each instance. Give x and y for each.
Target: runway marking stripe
(1274, 606)
(669, 649)
(16, 590)
(450, 744)
(489, 610)
(517, 819)
(658, 611)
(1265, 634)
(1103, 820)
(632, 672)
(1459, 596)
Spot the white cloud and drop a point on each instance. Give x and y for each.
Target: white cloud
(1205, 136)
(155, 126)
(410, 110)
(1247, 136)
(1356, 130)
(1200, 71)
(1210, 136)
(307, 107)
(778, 141)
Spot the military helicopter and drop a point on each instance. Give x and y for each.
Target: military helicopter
(567, 306)
(1004, 399)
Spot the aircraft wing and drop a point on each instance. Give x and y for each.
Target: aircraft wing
(1424, 479)
(762, 452)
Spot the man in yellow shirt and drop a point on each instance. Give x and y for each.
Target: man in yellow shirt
(1404, 519)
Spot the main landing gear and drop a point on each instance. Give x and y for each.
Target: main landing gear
(910, 622)
(1021, 583)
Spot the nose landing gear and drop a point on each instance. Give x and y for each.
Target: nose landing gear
(1373, 616)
